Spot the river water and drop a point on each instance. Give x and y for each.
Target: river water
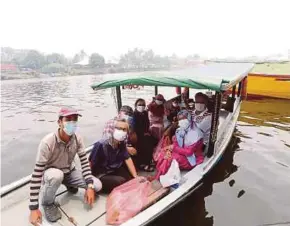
(250, 185)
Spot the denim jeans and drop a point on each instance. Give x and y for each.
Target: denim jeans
(53, 178)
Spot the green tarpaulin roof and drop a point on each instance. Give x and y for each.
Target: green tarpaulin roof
(213, 76)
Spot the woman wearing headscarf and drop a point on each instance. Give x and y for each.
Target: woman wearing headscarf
(156, 116)
(110, 160)
(125, 113)
(186, 148)
(145, 142)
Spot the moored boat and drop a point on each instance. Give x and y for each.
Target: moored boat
(215, 77)
(270, 80)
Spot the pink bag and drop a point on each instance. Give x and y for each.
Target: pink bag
(162, 165)
(165, 141)
(127, 200)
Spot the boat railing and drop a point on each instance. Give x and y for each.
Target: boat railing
(5, 190)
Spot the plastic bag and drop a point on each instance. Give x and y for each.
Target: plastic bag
(165, 141)
(127, 200)
(172, 176)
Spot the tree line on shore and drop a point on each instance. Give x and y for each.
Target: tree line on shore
(55, 62)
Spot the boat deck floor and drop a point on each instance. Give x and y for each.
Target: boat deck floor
(71, 204)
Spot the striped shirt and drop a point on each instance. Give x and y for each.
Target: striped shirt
(55, 153)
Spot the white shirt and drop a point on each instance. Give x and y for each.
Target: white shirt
(203, 122)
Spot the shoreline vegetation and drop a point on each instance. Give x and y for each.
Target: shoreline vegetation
(25, 64)
(73, 72)
(22, 63)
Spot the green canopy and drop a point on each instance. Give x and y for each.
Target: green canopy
(213, 76)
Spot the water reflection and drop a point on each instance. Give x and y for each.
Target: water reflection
(267, 112)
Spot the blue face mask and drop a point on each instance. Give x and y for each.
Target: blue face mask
(70, 127)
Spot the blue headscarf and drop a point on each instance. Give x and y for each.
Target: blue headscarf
(180, 133)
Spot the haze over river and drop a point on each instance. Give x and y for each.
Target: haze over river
(249, 187)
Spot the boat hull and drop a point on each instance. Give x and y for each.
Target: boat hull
(260, 85)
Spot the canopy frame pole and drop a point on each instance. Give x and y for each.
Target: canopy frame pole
(214, 124)
(119, 97)
(240, 89)
(156, 90)
(234, 91)
(186, 90)
(244, 85)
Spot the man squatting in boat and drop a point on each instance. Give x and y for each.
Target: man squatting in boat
(54, 166)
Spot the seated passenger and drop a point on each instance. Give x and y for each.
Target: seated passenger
(190, 106)
(125, 113)
(145, 142)
(110, 161)
(156, 116)
(173, 110)
(201, 116)
(184, 98)
(186, 148)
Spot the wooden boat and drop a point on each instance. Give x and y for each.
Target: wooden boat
(215, 77)
(270, 80)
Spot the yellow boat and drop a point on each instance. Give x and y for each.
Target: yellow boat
(270, 80)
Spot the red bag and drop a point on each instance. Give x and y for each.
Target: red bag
(127, 200)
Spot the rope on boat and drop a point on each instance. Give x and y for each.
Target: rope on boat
(70, 219)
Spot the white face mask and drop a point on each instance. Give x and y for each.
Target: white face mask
(199, 107)
(191, 105)
(140, 108)
(119, 135)
(158, 102)
(183, 124)
(70, 127)
(174, 104)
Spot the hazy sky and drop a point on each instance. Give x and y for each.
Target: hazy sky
(210, 28)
